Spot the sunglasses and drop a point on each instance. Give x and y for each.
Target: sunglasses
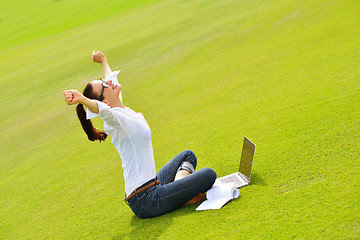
(104, 85)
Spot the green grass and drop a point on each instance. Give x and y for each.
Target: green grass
(204, 74)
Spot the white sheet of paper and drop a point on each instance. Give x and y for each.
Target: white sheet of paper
(212, 204)
(218, 196)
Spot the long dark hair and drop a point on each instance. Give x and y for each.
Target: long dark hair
(92, 133)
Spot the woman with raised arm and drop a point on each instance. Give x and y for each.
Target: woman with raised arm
(149, 194)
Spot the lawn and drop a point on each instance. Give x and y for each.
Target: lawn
(205, 74)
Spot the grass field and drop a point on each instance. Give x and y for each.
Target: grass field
(204, 73)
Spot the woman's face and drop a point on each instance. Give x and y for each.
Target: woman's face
(111, 90)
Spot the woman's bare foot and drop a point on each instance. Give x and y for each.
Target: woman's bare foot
(195, 199)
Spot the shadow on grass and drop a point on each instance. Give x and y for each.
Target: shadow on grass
(257, 180)
(152, 228)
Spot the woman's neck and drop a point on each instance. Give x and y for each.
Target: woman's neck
(116, 103)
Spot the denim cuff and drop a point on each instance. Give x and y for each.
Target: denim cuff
(187, 166)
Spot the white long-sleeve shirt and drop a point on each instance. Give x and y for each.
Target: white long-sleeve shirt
(131, 136)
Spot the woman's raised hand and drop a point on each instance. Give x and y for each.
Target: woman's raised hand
(98, 57)
(73, 97)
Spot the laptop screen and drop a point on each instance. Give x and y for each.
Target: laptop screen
(247, 157)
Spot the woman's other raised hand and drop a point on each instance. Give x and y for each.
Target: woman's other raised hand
(98, 57)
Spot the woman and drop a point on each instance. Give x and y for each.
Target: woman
(149, 194)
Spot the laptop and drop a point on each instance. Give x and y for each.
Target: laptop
(241, 178)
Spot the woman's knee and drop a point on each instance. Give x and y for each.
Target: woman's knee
(190, 157)
(210, 175)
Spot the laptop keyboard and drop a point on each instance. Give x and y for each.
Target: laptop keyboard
(232, 178)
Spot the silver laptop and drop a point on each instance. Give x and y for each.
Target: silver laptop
(242, 178)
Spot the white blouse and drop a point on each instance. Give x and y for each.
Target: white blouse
(131, 136)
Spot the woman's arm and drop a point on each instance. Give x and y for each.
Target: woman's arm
(101, 108)
(75, 97)
(99, 57)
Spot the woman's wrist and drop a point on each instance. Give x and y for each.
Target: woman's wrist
(106, 67)
(84, 100)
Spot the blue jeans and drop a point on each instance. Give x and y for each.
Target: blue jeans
(168, 195)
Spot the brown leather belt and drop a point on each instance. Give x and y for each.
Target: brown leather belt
(138, 190)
